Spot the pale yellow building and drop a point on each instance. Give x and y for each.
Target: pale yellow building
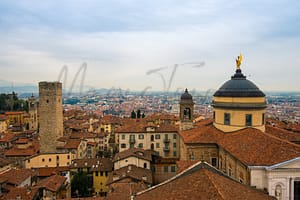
(3, 124)
(49, 160)
(162, 138)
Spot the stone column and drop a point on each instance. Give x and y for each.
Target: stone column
(292, 179)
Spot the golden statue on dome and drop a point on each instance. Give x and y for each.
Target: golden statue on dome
(239, 61)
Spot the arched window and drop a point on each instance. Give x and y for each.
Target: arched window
(152, 146)
(278, 192)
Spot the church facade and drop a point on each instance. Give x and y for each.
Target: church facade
(235, 141)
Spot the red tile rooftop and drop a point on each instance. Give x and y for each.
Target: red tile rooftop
(16, 176)
(201, 181)
(251, 146)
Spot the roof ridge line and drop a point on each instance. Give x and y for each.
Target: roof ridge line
(211, 180)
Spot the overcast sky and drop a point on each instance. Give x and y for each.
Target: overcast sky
(122, 40)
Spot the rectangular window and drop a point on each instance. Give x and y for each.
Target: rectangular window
(157, 145)
(141, 136)
(157, 136)
(174, 145)
(166, 169)
(123, 145)
(153, 168)
(174, 153)
(123, 137)
(214, 115)
(214, 162)
(106, 173)
(174, 136)
(226, 118)
(248, 120)
(101, 173)
(173, 168)
(263, 119)
(97, 174)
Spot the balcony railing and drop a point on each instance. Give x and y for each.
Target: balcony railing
(166, 140)
(166, 149)
(132, 140)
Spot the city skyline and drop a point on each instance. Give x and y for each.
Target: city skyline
(122, 42)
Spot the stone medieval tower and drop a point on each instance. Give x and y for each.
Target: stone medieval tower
(50, 115)
(186, 111)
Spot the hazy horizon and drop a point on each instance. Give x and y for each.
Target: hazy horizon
(134, 45)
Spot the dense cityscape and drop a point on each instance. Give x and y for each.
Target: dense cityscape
(149, 100)
(131, 146)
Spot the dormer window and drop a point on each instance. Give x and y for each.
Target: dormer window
(248, 120)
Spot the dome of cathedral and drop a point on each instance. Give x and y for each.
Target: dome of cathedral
(239, 86)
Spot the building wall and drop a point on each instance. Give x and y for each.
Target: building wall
(33, 113)
(238, 108)
(3, 127)
(157, 140)
(233, 167)
(48, 160)
(15, 117)
(238, 119)
(163, 172)
(99, 181)
(217, 157)
(132, 161)
(51, 115)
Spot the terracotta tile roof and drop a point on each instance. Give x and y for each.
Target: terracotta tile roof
(204, 132)
(53, 183)
(5, 162)
(131, 171)
(8, 138)
(135, 152)
(83, 135)
(48, 171)
(17, 176)
(201, 181)
(15, 113)
(3, 117)
(22, 141)
(184, 164)
(72, 144)
(23, 193)
(256, 148)
(251, 146)
(110, 119)
(283, 134)
(16, 152)
(162, 116)
(95, 164)
(122, 190)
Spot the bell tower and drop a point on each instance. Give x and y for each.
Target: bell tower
(186, 111)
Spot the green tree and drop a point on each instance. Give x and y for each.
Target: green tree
(79, 185)
(138, 115)
(133, 115)
(143, 115)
